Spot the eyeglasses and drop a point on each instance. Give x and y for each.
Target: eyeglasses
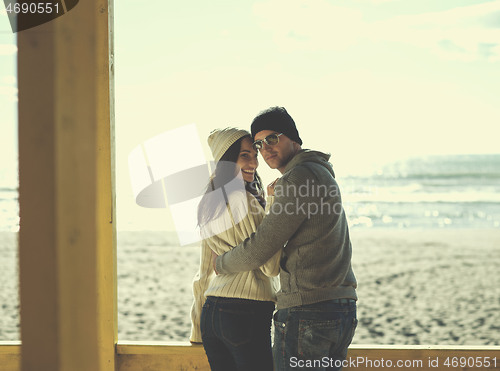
(270, 140)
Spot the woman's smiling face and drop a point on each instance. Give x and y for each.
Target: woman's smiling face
(247, 160)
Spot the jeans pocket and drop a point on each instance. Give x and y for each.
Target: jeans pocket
(236, 326)
(316, 337)
(279, 345)
(279, 327)
(347, 338)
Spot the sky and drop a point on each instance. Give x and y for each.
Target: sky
(365, 80)
(8, 102)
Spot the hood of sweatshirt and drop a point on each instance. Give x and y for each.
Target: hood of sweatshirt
(308, 155)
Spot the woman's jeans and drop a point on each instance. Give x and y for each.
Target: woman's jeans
(314, 337)
(236, 334)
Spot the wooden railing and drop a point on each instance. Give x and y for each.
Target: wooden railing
(133, 356)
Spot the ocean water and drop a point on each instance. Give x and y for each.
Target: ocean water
(9, 199)
(459, 191)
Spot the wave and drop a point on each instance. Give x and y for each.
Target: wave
(458, 176)
(475, 176)
(9, 189)
(412, 198)
(437, 167)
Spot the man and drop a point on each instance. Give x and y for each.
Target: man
(316, 315)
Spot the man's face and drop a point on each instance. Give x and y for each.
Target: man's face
(276, 156)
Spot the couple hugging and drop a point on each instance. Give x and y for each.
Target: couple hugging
(249, 239)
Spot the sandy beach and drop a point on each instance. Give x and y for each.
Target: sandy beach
(432, 287)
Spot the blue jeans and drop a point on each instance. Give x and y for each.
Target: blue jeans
(315, 336)
(236, 334)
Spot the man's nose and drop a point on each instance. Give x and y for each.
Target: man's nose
(265, 146)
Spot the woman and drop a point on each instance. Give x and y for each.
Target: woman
(235, 321)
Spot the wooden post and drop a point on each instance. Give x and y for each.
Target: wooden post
(67, 245)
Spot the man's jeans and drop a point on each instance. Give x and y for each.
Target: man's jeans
(315, 336)
(236, 334)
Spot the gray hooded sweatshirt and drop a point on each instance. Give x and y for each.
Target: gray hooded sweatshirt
(307, 221)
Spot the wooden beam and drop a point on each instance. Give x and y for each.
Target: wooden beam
(10, 355)
(157, 356)
(151, 356)
(67, 247)
(168, 356)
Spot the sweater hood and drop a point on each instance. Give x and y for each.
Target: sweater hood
(308, 155)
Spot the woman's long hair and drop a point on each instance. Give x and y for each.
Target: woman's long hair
(211, 207)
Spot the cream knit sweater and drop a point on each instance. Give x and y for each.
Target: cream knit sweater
(237, 223)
